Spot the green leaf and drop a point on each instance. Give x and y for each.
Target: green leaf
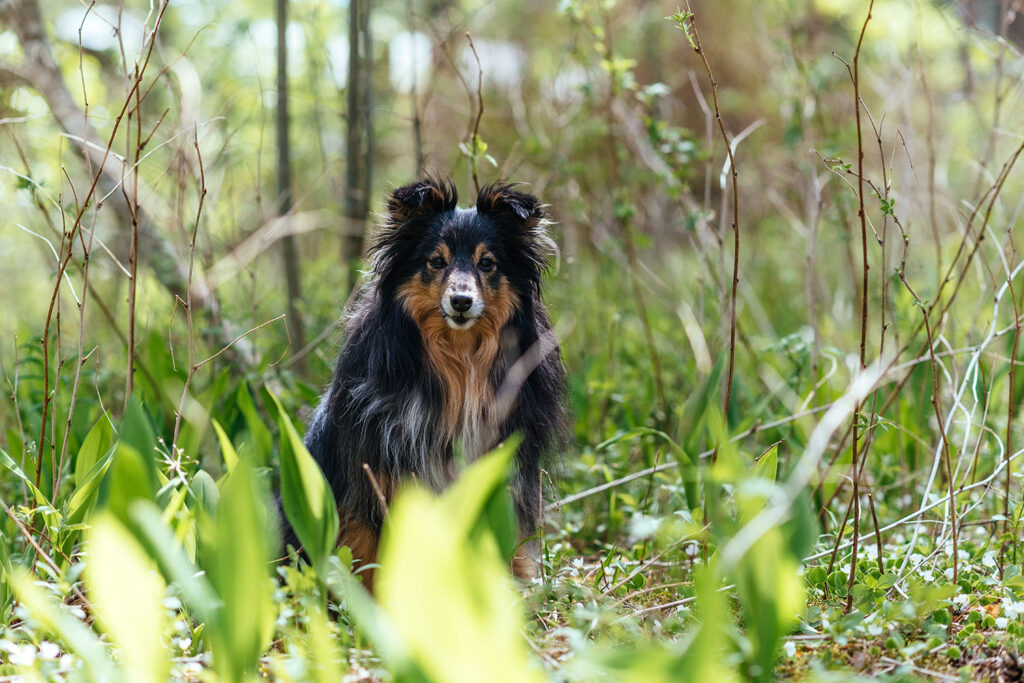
(88, 487)
(476, 489)
(766, 466)
(227, 451)
(445, 583)
(137, 430)
(260, 443)
(238, 569)
(98, 441)
(160, 544)
(6, 581)
(306, 497)
(132, 476)
(206, 492)
(126, 595)
(7, 462)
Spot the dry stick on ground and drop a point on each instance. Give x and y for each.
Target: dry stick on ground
(694, 38)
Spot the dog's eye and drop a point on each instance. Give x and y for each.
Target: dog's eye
(436, 262)
(486, 264)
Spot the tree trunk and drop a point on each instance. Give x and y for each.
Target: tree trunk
(293, 282)
(359, 167)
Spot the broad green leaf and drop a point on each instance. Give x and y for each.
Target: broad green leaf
(50, 518)
(238, 569)
(206, 492)
(87, 488)
(159, 542)
(480, 497)
(705, 657)
(696, 406)
(9, 464)
(772, 595)
(126, 595)
(132, 476)
(137, 430)
(766, 467)
(261, 442)
(447, 586)
(226, 449)
(97, 443)
(6, 581)
(306, 497)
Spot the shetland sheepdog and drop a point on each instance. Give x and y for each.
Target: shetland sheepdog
(447, 349)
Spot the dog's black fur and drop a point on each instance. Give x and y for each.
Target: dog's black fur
(404, 392)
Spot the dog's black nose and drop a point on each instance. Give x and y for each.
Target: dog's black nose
(461, 302)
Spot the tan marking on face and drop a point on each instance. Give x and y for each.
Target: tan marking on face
(444, 252)
(481, 251)
(462, 359)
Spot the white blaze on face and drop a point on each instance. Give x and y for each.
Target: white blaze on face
(462, 289)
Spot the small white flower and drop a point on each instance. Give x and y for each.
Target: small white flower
(48, 650)
(172, 603)
(66, 661)
(789, 648)
(874, 630)
(183, 643)
(948, 573)
(961, 600)
(24, 656)
(1001, 622)
(1011, 609)
(927, 575)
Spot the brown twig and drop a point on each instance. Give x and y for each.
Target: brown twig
(864, 305)
(381, 498)
(474, 133)
(697, 47)
(192, 365)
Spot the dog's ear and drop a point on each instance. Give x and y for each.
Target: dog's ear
(500, 200)
(424, 197)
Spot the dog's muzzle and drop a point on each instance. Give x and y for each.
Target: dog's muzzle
(462, 303)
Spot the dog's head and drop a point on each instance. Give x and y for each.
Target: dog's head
(460, 266)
